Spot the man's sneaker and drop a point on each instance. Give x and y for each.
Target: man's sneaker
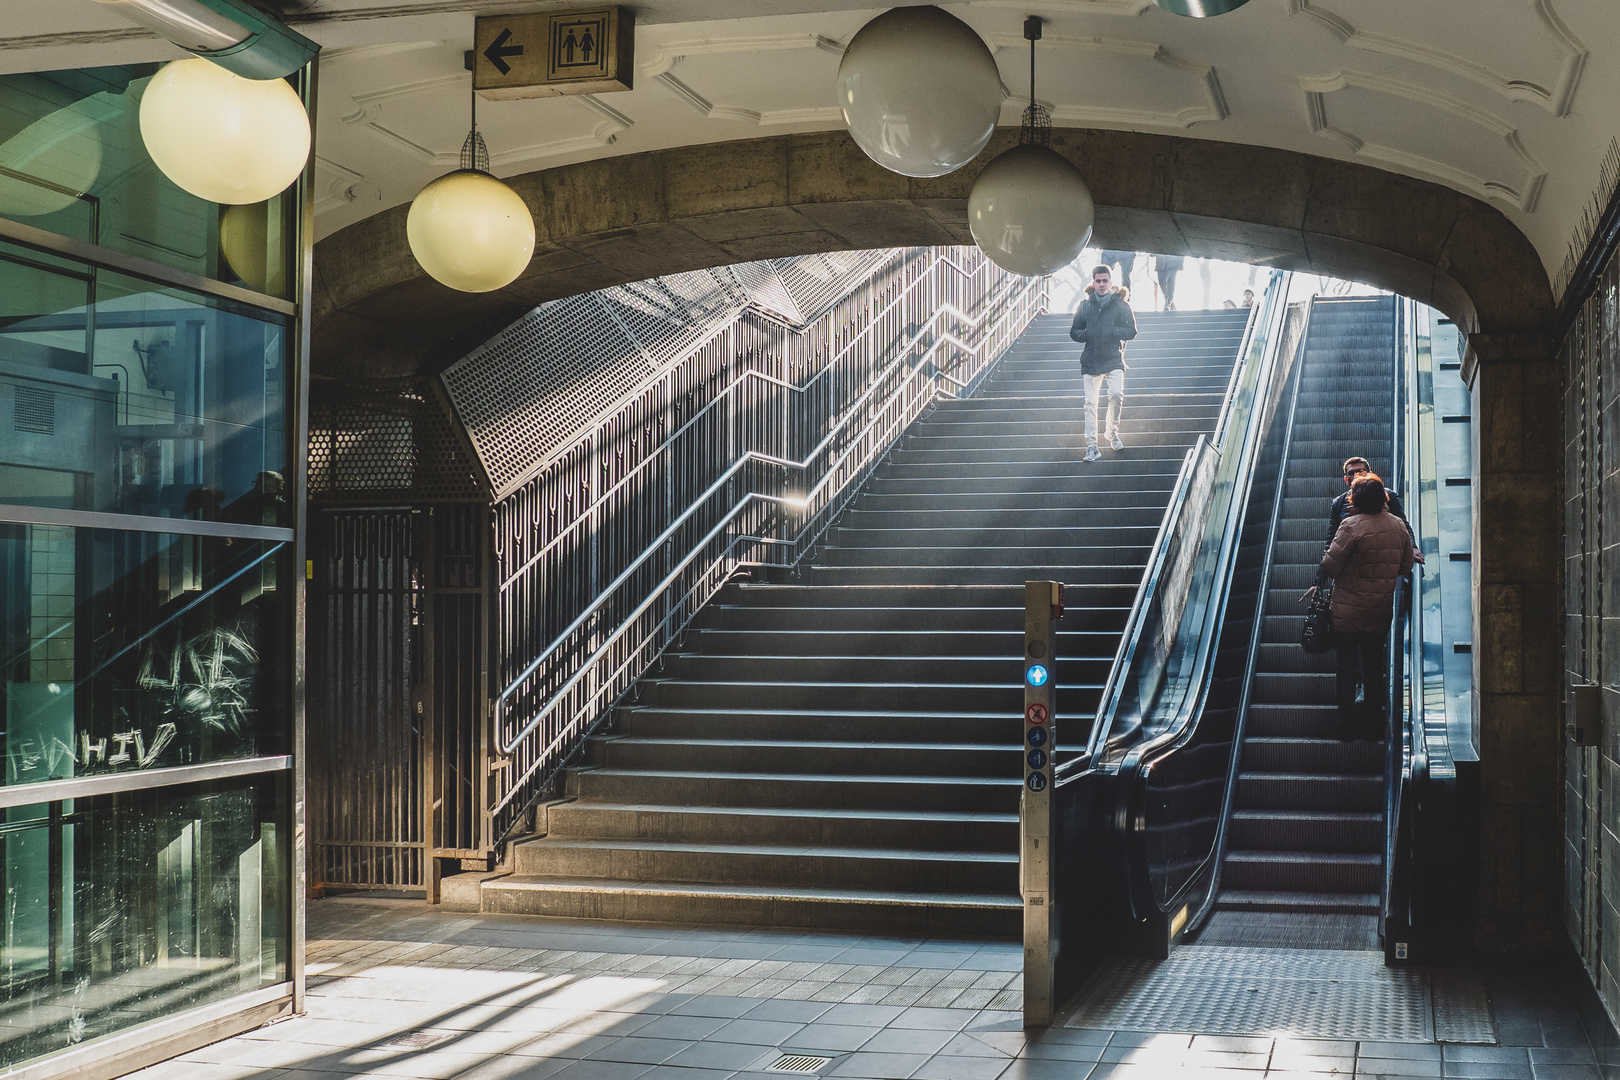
(1117, 444)
(1093, 454)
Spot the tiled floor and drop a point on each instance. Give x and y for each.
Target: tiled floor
(399, 991)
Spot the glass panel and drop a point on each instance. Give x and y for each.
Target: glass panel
(124, 651)
(132, 907)
(72, 162)
(122, 396)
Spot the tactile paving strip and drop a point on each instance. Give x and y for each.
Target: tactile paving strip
(1303, 993)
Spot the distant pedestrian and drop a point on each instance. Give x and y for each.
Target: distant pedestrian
(1103, 323)
(1167, 267)
(1124, 260)
(1229, 304)
(1248, 298)
(1370, 552)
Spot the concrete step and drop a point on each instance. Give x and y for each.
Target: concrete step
(796, 866)
(885, 911)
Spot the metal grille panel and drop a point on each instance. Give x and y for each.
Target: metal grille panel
(544, 380)
(1318, 994)
(389, 441)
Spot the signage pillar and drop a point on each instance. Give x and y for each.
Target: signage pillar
(1043, 606)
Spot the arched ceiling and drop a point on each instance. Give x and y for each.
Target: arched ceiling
(1510, 101)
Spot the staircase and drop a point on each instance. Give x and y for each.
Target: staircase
(1307, 827)
(843, 752)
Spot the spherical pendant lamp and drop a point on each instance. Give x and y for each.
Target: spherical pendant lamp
(1200, 9)
(222, 137)
(920, 91)
(1030, 211)
(467, 229)
(470, 231)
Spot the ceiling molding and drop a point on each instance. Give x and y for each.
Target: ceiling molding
(1556, 98)
(338, 185)
(673, 52)
(1523, 196)
(1211, 109)
(369, 109)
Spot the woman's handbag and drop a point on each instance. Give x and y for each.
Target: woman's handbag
(1317, 637)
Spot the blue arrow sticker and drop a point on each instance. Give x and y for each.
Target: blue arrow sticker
(1037, 675)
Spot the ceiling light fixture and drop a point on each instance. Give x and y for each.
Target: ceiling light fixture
(233, 34)
(1200, 9)
(920, 91)
(1030, 210)
(222, 137)
(467, 229)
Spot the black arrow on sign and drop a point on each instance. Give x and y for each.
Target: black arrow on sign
(499, 50)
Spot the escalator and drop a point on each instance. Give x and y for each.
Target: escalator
(1214, 800)
(1306, 832)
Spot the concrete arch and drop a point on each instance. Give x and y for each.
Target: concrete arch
(614, 220)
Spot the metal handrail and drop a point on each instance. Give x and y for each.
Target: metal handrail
(1007, 301)
(751, 373)
(750, 457)
(506, 746)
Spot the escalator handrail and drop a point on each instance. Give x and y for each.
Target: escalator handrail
(1285, 417)
(1406, 768)
(1277, 310)
(1102, 739)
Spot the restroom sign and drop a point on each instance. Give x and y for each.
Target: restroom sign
(590, 51)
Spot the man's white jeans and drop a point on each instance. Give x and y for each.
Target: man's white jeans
(1115, 381)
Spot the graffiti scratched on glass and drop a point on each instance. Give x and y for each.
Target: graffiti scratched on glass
(200, 685)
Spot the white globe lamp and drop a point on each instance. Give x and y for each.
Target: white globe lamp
(1030, 211)
(222, 137)
(470, 231)
(920, 91)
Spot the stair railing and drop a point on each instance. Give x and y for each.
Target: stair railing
(764, 508)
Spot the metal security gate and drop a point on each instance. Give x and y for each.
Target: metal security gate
(366, 704)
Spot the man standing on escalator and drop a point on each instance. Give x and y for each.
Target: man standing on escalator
(1103, 323)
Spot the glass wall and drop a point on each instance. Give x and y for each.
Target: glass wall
(130, 397)
(72, 163)
(147, 584)
(135, 906)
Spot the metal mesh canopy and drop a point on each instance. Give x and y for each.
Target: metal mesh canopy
(543, 379)
(390, 441)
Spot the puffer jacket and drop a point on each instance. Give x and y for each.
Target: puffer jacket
(1103, 327)
(1368, 554)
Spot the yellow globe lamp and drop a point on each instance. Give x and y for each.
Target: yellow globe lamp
(221, 137)
(470, 231)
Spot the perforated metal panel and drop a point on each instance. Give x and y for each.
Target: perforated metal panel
(543, 380)
(386, 442)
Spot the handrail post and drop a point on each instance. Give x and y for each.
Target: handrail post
(1043, 606)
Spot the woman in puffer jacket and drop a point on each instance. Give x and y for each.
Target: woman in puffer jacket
(1370, 552)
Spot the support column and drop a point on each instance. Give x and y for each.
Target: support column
(1517, 705)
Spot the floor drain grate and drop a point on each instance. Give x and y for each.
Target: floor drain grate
(417, 1040)
(799, 1063)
